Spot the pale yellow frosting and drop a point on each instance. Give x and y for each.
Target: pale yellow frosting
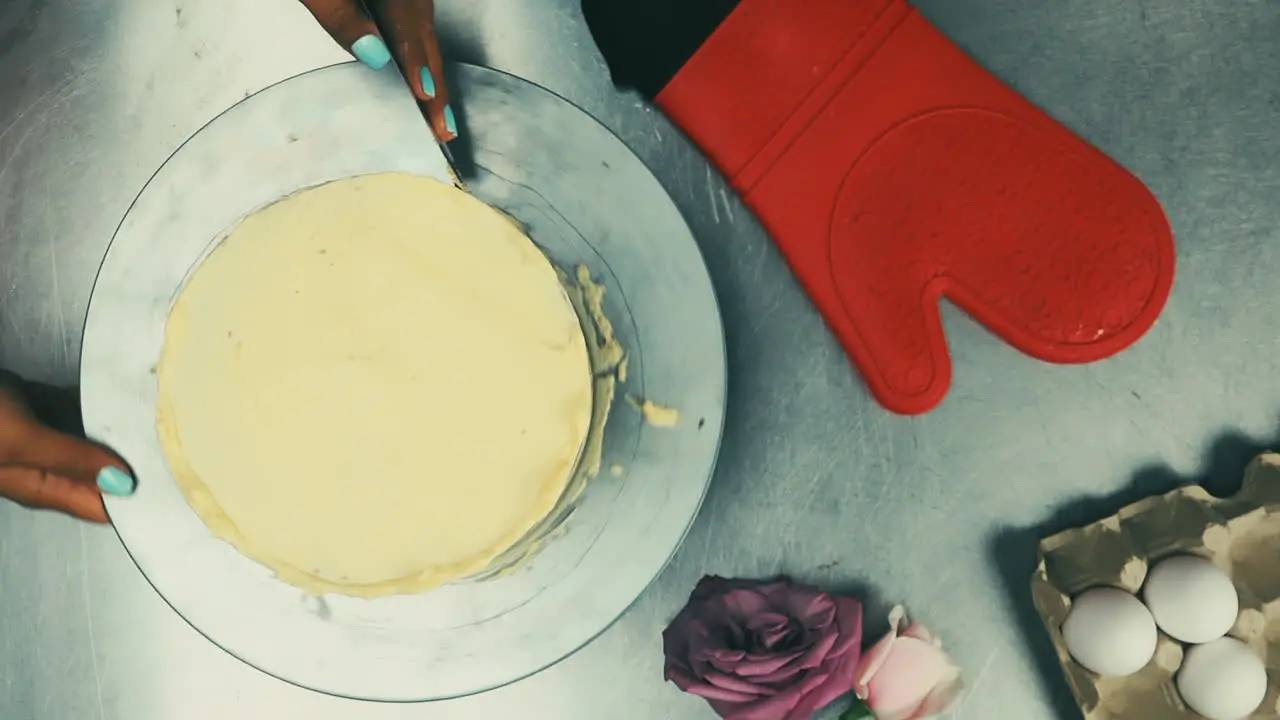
(374, 386)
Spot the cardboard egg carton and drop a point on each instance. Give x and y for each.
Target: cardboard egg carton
(1241, 535)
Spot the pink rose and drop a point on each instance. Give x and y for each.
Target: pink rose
(906, 675)
(763, 650)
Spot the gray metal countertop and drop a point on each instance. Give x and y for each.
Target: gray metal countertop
(940, 511)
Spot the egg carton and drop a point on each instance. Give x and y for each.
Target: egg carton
(1240, 535)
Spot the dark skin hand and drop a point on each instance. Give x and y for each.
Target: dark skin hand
(45, 462)
(410, 26)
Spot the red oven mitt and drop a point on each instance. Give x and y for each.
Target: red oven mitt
(893, 171)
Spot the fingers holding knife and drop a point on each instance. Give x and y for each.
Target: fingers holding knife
(378, 30)
(410, 25)
(351, 26)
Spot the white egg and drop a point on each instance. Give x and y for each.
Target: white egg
(1191, 599)
(1109, 632)
(1222, 680)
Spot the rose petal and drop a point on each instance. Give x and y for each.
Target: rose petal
(744, 603)
(768, 619)
(820, 649)
(674, 640)
(697, 648)
(681, 677)
(841, 662)
(757, 666)
(675, 666)
(780, 678)
(943, 698)
(770, 631)
(715, 654)
(782, 673)
(726, 663)
(734, 635)
(735, 684)
(876, 655)
(711, 692)
(685, 630)
(815, 611)
(920, 632)
(849, 624)
(776, 707)
(798, 598)
(693, 632)
(820, 696)
(911, 671)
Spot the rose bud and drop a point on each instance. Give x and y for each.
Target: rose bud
(906, 675)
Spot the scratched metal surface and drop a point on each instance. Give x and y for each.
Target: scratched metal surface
(941, 510)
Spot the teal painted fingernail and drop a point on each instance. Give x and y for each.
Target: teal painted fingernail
(371, 51)
(450, 122)
(428, 83)
(114, 481)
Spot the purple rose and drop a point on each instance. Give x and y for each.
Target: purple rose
(769, 650)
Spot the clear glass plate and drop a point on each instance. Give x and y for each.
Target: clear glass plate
(585, 199)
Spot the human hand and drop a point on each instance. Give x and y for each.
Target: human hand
(44, 467)
(410, 25)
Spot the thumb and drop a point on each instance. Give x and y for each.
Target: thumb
(38, 488)
(348, 23)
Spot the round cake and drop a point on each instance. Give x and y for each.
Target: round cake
(374, 386)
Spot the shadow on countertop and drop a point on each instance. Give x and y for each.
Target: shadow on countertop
(1013, 549)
